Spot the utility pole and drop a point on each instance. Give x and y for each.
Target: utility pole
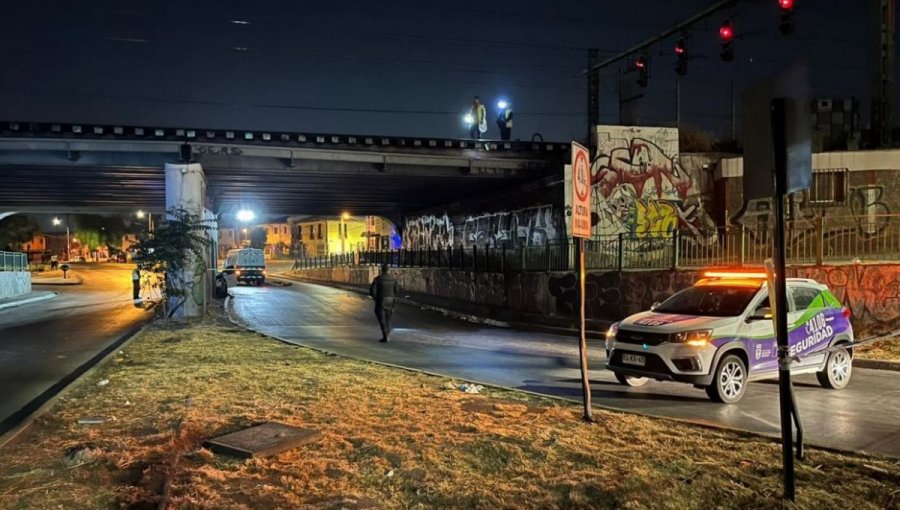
(593, 88)
(677, 101)
(883, 21)
(733, 115)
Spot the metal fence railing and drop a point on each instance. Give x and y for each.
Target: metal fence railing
(870, 238)
(12, 261)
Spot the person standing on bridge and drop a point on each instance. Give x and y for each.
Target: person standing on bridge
(383, 291)
(479, 119)
(505, 119)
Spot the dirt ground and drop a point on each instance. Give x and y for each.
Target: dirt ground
(391, 439)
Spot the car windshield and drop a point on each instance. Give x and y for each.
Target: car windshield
(709, 300)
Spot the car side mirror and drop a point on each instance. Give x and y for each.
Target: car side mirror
(760, 315)
(654, 306)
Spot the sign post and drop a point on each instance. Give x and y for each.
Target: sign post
(778, 162)
(581, 230)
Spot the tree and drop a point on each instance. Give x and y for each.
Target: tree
(175, 253)
(93, 230)
(16, 230)
(258, 238)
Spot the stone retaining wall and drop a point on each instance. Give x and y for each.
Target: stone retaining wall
(14, 283)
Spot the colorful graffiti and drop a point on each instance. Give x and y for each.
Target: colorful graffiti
(525, 227)
(871, 292)
(532, 226)
(428, 233)
(639, 186)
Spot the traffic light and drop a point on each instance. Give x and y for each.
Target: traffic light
(726, 33)
(787, 16)
(642, 65)
(681, 63)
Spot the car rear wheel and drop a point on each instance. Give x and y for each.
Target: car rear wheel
(730, 381)
(837, 371)
(631, 380)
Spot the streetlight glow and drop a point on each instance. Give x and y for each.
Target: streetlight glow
(345, 216)
(140, 214)
(245, 215)
(502, 104)
(57, 222)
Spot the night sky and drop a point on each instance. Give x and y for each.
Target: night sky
(398, 67)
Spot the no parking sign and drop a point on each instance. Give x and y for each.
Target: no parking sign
(581, 192)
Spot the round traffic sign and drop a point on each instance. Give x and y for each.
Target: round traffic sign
(581, 174)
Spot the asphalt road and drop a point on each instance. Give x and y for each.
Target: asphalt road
(43, 343)
(862, 417)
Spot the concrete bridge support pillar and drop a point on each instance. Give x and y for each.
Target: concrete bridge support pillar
(186, 189)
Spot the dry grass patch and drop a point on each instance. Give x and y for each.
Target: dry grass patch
(887, 349)
(392, 439)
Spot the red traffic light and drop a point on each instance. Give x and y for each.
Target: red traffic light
(680, 47)
(726, 32)
(786, 5)
(640, 63)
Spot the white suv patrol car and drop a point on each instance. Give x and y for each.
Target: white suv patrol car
(718, 335)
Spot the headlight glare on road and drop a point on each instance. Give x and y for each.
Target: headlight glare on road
(696, 338)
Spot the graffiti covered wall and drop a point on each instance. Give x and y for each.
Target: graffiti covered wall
(640, 187)
(529, 226)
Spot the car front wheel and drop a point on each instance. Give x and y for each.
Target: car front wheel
(632, 381)
(837, 371)
(730, 381)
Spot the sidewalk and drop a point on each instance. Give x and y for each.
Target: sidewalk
(26, 299)
(131, 434)
(55, 278)
(481, 314)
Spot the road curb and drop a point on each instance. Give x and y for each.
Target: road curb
(877, 364)
(70, 281)
(774, 437)
(455, 314)
(16, 423)
(28, 301)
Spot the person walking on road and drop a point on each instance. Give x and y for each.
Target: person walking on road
(479, 119)
(383, 291)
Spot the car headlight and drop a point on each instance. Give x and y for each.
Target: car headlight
(696, 338)
(611, 334)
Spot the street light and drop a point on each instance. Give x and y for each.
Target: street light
(246, 215)
(342, 232)
(57, 222)
(141, 214)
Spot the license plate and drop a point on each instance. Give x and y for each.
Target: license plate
(633, 359)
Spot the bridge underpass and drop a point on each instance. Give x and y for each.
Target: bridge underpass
(81, 168)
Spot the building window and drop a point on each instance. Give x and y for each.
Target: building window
(320, 231)
(828, 187)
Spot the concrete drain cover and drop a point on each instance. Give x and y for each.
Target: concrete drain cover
(262, 440)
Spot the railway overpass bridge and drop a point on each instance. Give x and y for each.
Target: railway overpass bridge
(101, 168)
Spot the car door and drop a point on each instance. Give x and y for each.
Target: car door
(759, 338)
(810, 324)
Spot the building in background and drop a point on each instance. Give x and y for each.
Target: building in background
(380, 234)
(316, 236)
(278, 239)
(835, 125)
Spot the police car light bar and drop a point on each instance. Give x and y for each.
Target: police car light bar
(734, 274)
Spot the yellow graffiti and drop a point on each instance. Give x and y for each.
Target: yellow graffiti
(655, 218)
